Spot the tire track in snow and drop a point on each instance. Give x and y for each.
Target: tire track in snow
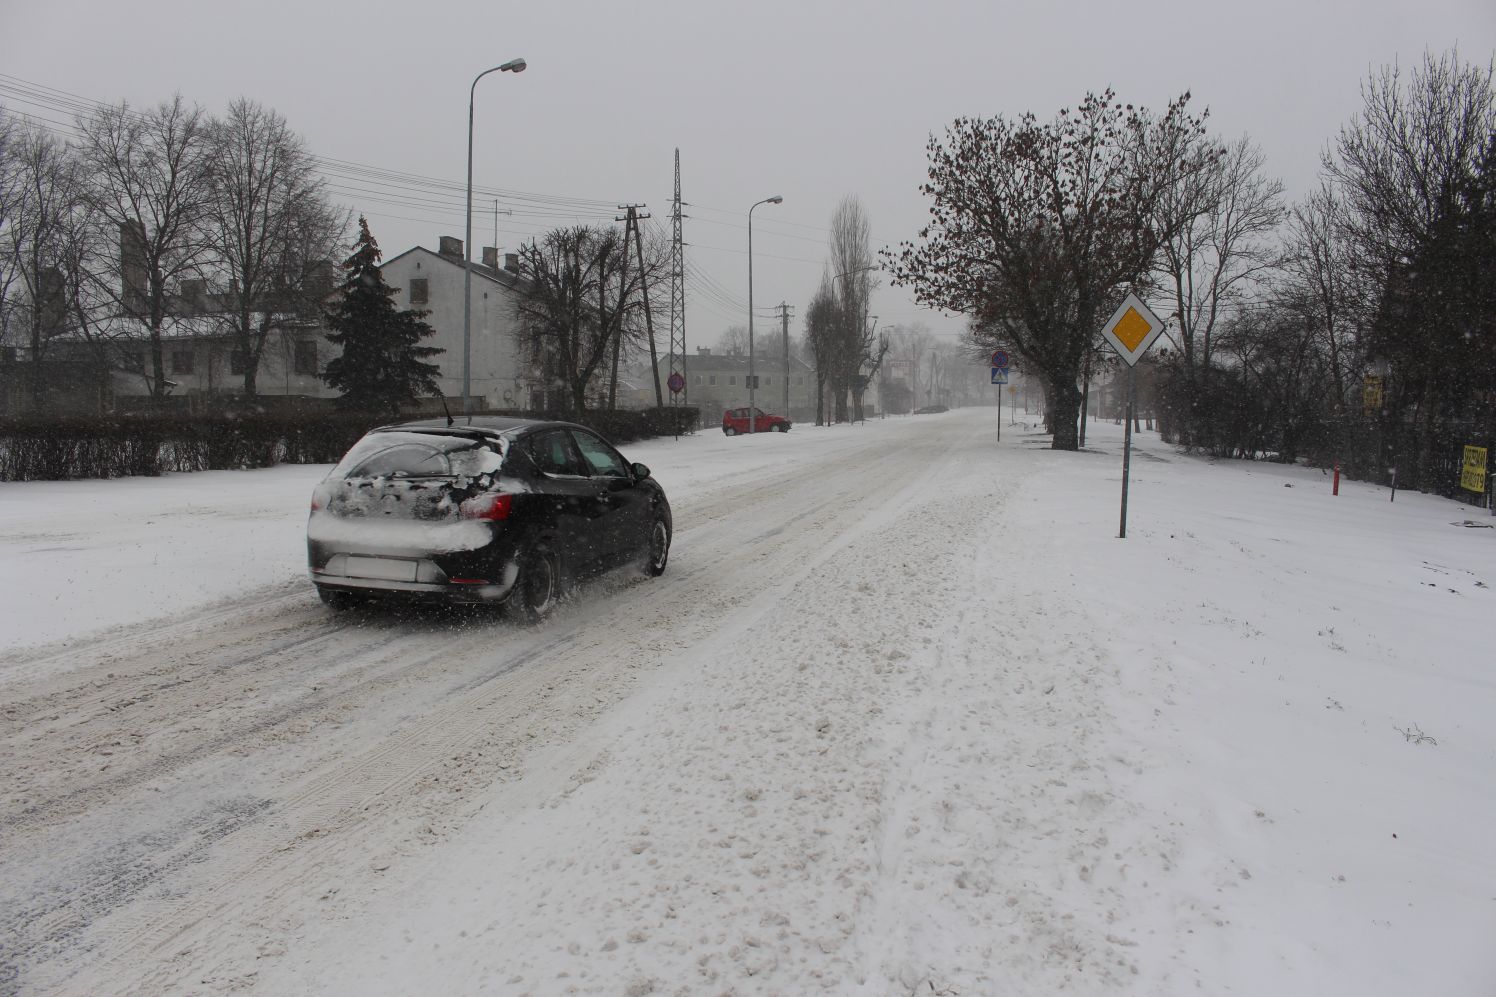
(307, 824)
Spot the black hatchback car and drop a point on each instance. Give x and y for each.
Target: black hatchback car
(482, 510)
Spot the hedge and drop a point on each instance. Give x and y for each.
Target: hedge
(63, 448)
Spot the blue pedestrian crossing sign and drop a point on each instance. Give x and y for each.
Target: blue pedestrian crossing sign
(999, 375)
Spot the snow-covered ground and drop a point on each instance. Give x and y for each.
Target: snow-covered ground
(904, 715)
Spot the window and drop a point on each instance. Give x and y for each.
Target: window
(416, 455)
(713, 380)
(238, 361)
(732, 379)
(698, 380)
(181, 361)
(554, 453)
(768, 381)
(420, 290)
(602, 459)
(305, 359)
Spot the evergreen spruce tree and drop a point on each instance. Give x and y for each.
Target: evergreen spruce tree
(383, 364)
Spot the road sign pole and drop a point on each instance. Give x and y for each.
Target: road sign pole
(1132, 373)
(999, 413)
(1131, 330)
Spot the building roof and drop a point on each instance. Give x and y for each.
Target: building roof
(503, 278)
(126, 329)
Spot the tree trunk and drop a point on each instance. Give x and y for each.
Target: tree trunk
(1065, 413)
(1085, 408)
(1426, 438)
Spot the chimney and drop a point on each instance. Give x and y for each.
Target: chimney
(52, 299)
(450, 247)
(511, 262)
(132, 264)
(491, 257)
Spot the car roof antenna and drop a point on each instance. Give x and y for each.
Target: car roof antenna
(448, 411)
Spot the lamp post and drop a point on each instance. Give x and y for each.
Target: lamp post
(752, 421)
(512, 66)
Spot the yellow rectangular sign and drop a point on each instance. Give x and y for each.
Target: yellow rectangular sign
(1473, 473)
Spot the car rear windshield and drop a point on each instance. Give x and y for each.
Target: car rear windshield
(418, 455)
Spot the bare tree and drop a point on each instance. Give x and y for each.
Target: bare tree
(1219, 223)
(1318, 275)
(10, 190)
(853, 279)
(269, 225)
(1398, 165)
(148, 178)
(822, 320)
(578, 302)
(734, 339)
(1412, 171)
(44, 186)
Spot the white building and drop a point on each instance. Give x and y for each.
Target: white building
(201, 360)
(718, 381)
(499, 373)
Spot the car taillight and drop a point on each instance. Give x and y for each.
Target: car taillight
(493, 507)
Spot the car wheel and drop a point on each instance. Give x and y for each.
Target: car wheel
(729, 431)
(780, 427)
(537, 589)
(658, 554)
(338, 600)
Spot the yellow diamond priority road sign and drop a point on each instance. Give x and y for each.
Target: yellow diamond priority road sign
(1132, 329)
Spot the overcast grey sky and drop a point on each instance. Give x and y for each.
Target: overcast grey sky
(810, 100)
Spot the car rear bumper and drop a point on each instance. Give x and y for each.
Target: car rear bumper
(420, 578)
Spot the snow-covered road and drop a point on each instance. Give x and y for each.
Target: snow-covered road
(903, 715)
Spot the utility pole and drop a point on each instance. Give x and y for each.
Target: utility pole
(784, 316)
(632, 218)
(677, 292)
(602, 309)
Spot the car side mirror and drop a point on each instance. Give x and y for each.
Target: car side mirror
(640, 472)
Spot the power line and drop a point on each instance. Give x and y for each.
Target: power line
(435, 201)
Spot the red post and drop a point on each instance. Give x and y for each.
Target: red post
(1336, 490)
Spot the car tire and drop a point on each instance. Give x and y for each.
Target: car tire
(780, 427)
(538, 587)
(657, 549)
(340, 601)
(729, 431)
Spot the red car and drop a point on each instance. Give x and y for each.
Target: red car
(735, 421)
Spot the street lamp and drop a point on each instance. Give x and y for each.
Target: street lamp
(512, 66)
(776, 199)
